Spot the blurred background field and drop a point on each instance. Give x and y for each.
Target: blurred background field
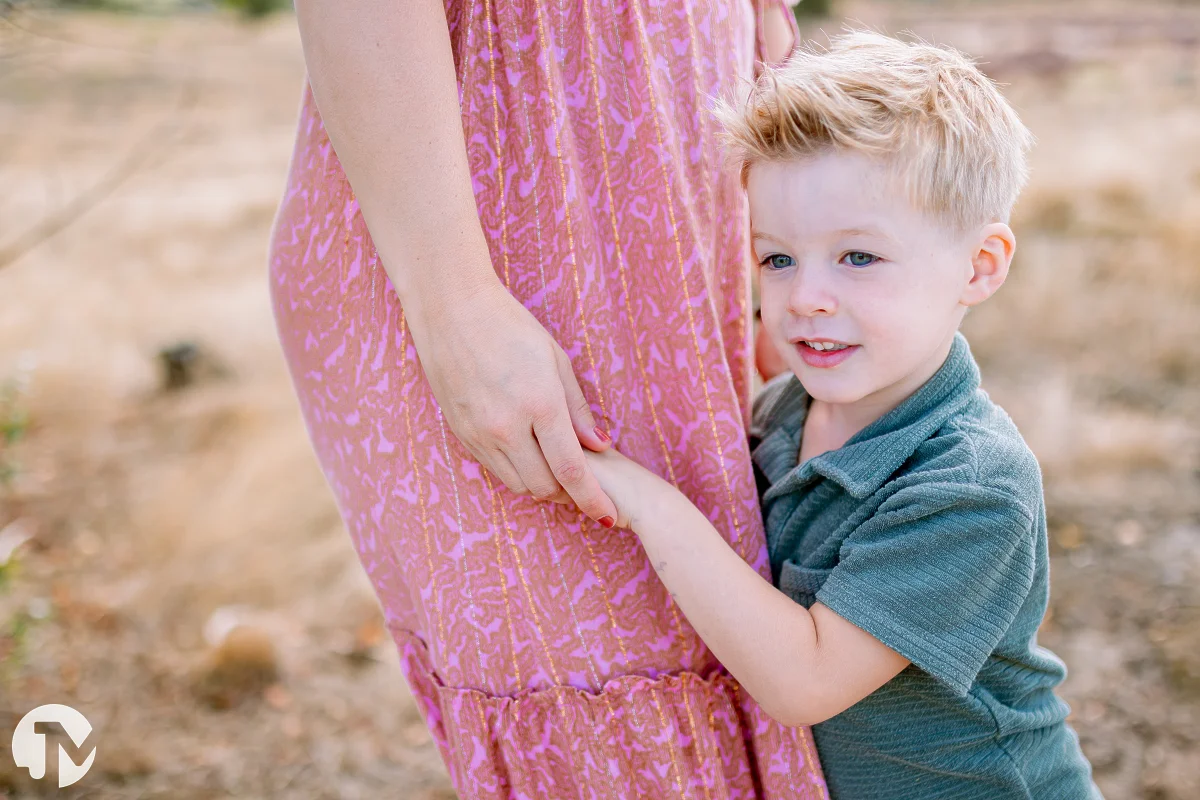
(172, 564)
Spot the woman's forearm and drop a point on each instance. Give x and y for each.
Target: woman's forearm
(382, 75)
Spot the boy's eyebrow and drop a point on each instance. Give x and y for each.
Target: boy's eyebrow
(757, 234)
(865, 232)
(876, 232)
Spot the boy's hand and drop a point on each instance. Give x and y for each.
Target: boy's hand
(627, 483)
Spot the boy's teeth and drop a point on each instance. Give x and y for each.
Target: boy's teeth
(824, 346)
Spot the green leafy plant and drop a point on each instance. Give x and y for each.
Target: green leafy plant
(256, 8)
(8, 570)
(14, 422)
(812, 8)
(14, 644)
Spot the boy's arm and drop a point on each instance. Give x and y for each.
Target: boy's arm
(802, 666)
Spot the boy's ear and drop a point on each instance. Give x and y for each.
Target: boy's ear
(989, 263)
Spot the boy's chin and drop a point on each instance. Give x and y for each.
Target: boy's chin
(830, 390)
(836, 398)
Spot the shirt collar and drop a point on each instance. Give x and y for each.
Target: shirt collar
(872, 455)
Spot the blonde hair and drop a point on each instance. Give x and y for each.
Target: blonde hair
(928, 111)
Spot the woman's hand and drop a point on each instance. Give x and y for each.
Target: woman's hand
(510, 395)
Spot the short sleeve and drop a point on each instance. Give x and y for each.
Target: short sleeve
(938, 574)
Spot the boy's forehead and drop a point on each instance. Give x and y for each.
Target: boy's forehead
(830, 193)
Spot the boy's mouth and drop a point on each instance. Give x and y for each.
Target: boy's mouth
(823, 345)
(823, 353)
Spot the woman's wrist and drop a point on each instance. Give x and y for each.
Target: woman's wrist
(434, 280)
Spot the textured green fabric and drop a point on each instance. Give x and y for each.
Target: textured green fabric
(927, 530)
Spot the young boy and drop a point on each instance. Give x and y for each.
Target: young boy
(904, 514)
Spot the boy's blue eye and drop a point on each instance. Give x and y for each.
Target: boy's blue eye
(857, 258)
(777, 261)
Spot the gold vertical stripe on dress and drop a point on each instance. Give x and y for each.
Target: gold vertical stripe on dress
(625, 655)
(705, 127)
(579, 631)
(589, 27)
(512, 641)
(373, 269)
(721, 782)
(520, 570)
(462, 544)
(346, 223)
(503, 580)
(691, 213)
(533, 173)
(810, 762)
(541, 28)
(639, 357)
(673, 146)
(670, 731)
(465, 572)
(562, 177)
(520, 89)
(465, 97)
(591, 661)
(454, 734)
(682, 271)
(744, 337)
(695, 738)
(485, 727)
(412, 456)
(487, 24)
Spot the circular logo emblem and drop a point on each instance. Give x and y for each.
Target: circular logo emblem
(30, 746)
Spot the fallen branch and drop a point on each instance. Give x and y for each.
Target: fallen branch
(150, 144)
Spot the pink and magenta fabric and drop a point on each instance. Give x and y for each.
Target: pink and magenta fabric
(547, 658)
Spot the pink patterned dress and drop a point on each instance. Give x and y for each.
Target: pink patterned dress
(548, 659)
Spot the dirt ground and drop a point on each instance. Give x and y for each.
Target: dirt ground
(178, 570)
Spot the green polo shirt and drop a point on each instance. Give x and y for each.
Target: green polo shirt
(927, 529)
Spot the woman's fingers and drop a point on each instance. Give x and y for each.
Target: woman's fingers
(592, 437)
(531, 467)
(524, 470)
(500, 465)
(561, 449)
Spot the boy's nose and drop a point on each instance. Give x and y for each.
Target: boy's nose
(810, 294)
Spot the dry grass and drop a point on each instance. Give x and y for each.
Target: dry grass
(188, 585)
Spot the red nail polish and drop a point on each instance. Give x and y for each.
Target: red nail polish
(602, 434)
(607, 522)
